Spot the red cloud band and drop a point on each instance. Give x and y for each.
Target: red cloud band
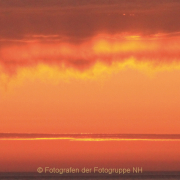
(83, 56)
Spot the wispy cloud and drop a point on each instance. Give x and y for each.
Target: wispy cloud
(106, 49)
(79, 35)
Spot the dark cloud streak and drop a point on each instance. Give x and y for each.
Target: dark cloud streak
(84, 19)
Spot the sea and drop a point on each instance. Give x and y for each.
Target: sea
(21, 155)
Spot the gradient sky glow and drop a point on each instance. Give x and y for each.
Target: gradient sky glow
(89, 67)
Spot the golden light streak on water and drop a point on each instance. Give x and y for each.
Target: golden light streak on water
(86, 139)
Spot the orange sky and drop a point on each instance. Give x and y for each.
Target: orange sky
(108, 84)
(89, 67)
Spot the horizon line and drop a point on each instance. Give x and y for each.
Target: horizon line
(90, 137)
(88, 133)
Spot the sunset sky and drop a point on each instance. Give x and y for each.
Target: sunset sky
(90, 66)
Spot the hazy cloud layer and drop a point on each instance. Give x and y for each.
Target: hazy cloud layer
(67, 32)
(158, 50)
